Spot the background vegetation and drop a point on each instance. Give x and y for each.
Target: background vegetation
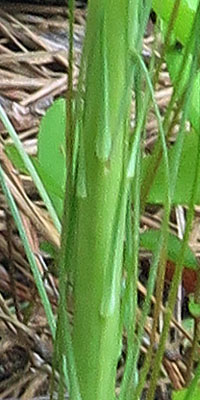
(96, 178)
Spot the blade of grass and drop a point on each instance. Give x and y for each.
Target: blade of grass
(164, 232)
(173, 292)
(131, 286)
(29, 253)
(63, 344)
(131, 365)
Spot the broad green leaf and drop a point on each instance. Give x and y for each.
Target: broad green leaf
(183, 188)
(51, 143)
(181, 394)
(53, 187)
(149, 240)
(51, 163)
(183, 24)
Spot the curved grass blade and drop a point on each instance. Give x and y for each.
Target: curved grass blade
(29, 253)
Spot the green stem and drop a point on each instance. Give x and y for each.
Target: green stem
(101, 212)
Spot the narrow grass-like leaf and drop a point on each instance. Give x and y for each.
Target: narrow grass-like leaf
(157, 112)
(29, 253)
(131, 374)
(164, 234)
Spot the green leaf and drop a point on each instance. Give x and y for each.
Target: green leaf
(48, 248)
(183, 188)
(149, 240)
(186, 13)
(51, 143)
(53, 188)
(194, 308)
(15, 157)
(188, 324)
(51, 161)
(174, 59)
(181, 394)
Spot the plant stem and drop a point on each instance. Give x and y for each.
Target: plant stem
(102, 211)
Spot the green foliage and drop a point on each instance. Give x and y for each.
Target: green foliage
(53, 188)
(29, 166)
(51, 141)
(51, 171)
(188, 324)
(183, 188)
(31, 258)
(103, 158)
(15, 157)
(181, 394)
(194, 307)
(49, 248)
(193, 390)
(183, 24)
(174, 58)
(149, 241)
(51, 161)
